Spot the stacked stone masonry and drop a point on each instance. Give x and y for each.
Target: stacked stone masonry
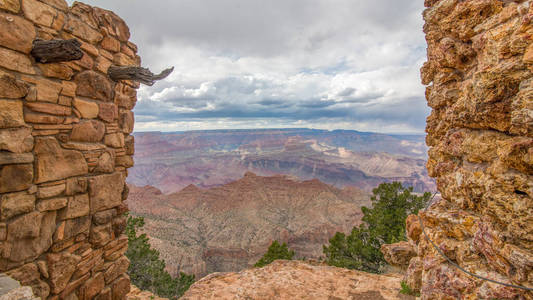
(65, 147)
(480, 134)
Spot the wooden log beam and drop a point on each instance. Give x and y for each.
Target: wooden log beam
(140, 74)
(56, 50)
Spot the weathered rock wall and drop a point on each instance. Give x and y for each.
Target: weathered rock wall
(480, 133)
(65, 145)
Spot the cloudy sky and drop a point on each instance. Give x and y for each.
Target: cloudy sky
(329, 64)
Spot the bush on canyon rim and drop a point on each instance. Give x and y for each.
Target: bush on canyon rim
(384, 223)
(147, 270)
(275, 251)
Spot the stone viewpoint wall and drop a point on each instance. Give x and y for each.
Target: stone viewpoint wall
(64, 150)
(480, 133)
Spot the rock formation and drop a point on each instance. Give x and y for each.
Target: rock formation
(228, 228)
(64, 150)
(480, 133)
(172, 161)
(284, 279)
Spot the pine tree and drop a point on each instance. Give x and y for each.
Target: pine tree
(275, 251)
(147, 270)
(384, 223)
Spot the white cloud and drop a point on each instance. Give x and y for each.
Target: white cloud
(348, 64)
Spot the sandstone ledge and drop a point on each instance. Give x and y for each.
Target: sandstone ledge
(284, 279)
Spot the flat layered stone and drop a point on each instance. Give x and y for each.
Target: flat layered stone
(88, 131)
(61, 267)
(15, 204)
(55, 163)
(78, 206)
(118, 268)
(39, 12)
(76, 185)
(17, 33)
(105, 163)
(32, 247)
(83, 31)
(93, 286)
(84, 146)
(56, 70)
(52, 204)
(87, 109)
(111, 44)
(113, 23)
(121, 287)
(93, 85)
(25, 226)
(12, 88)
(51, 191)
(126, 121)
(72, 227)
(42, 118)
(115, 140)
(15, 61)
(102, 64)
(108, 112)
(49, 108)
(11, 114)
(7, 158)
(105, 191)
(59, 4)
(10, 5)
(15, 177)
(101, 235)
(16, 140)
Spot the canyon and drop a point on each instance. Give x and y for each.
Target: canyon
(172, 161)
(228, 228)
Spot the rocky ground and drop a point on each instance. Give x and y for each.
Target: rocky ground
(284, 279)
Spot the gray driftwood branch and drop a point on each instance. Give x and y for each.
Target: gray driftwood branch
(56, 50)
(140, 74)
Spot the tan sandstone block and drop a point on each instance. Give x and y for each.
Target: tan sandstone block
(56, 70)
(39, 12)
(15, 61)
(15, 177)
(78, 206)
(102, 64)
(121, 287)
(83, 31)
(47, 90)
(11, 5)
(7, 158)
(118, 268)
(115, 140)
(110, 44)
(68, 88)
(11, 114)
(42, 118)
(126, 121)
(107, 112)
(49, 108)
(55, 163)
(87, 109)
(59, 4)
(12, 88)
(52, 204)
(16, 140)
(93, 85)
(17, 33)
(61, 266)
(26, 226)
(15, 204)
(528, 55)
(92, 287)
(105, 191)
(88, 131)
(51, 191)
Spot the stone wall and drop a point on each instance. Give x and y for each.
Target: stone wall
(480, 134)
(65, 145)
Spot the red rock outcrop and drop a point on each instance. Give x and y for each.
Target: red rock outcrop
(63, 155)
(480, 133)
(284, 279)
(228, 228)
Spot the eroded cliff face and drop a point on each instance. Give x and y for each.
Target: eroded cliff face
(64, 150)
(480, 133)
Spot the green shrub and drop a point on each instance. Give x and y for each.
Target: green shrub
(147, 270)
(275, 251)
(384, 223)
(406, 290)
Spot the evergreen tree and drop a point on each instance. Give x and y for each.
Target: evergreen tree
(275, 251)
(384, 223)
(147, 270)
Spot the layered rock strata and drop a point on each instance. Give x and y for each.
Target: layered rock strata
(480, 134)
(65, 146)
